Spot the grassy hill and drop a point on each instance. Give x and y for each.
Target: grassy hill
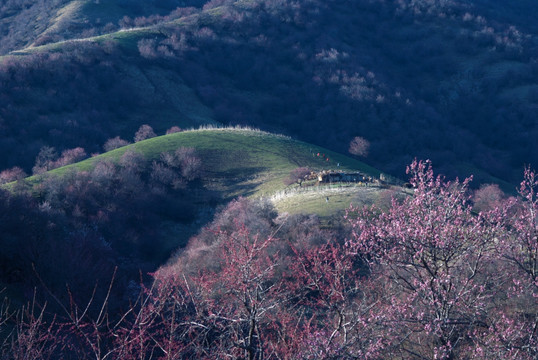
(454, 81)
(253, 163)
(102, 212)
(236, 161)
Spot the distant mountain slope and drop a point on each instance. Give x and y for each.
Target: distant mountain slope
(26, 23)
(23, 21)
(447, 80)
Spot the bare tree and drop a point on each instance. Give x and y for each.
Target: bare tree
(359, 146)
(144, 132)
(47, 155)
(13, 174)
(297, 175)
(114, 143)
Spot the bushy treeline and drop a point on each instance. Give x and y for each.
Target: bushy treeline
(426, 279)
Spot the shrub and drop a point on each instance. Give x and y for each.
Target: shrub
(13, 174)
(173, 129)
(114, 143)
(144, 132)
(46, 157)
(146, 47)
(70, 156)
(359, 146)
(297, 175)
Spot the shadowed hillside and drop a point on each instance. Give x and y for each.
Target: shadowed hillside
(452, 81)
(134, 206)
(28, 23)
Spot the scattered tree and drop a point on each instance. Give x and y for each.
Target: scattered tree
(47, 155)
(167, 176)
(297, 176)
(13, 174)
(173, 129)
(48, 159)
(114, 143)
(132, 161)
(488, 197)
(144, 132)
(359, 146)
(190, 164)
(146, 47)
(70, 156)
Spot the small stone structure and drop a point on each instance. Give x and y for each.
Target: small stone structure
(339, 176)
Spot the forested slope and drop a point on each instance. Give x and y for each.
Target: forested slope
(451, 81)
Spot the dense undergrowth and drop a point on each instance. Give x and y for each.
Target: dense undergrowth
(427, 279)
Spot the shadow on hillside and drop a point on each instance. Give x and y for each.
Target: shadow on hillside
(238, 181)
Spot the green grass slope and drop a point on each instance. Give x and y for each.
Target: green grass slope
(243, 162)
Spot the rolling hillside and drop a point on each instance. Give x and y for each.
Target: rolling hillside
(132, 207)
(28, 23)
(230, 236)
(450, 81)
(236, 161)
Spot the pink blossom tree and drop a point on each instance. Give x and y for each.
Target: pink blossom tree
(513, 331)
(234, 302)
(488, 197)
(33, 337)
(345, 321)
(522, 251)
(433, 257)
